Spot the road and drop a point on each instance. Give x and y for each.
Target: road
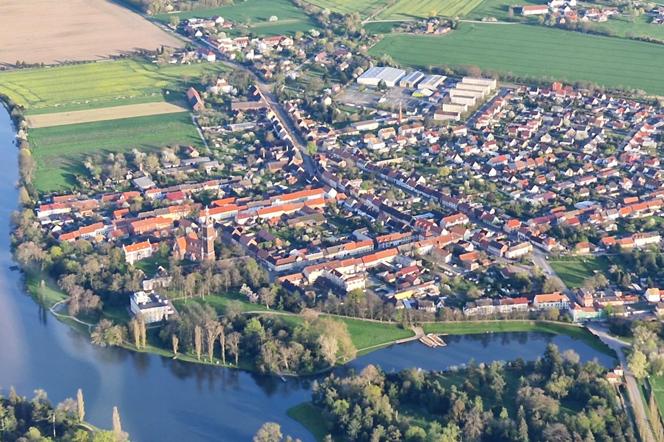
(633, 391)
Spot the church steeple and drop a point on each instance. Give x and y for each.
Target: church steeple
(208, 236)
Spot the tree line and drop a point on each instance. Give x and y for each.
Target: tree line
(36, 419)
(552, 399)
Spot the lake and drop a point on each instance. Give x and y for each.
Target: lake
(165, 400)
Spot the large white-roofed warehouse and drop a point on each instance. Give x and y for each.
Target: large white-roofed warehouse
(375, 75)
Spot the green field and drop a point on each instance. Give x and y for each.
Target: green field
(505, 326)
(499, 8)
(363, 7)
(640, 27)
(94, 85)
(536, 52)
(657, 384)
(311, 418)
(367, 334)
(255, 14)
(59, 150)
(573, 271)
(429, 8)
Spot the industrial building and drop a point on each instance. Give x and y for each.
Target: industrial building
(373, 76)
(411, 80)
(431, 82)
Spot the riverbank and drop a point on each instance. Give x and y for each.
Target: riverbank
(502, 326)
(367, 335)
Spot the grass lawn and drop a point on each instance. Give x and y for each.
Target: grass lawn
(59, 151)
(504, 326)
(47, 294)
(573, 271)
(367, 334)
(94, 85)
(657, 384)
(429, 8)
(535, 52)
(152, 264)
(640, 27)
(311, 418)
(256, 14)
(499, 8)
(221, 302)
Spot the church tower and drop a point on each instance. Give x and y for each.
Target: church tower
(208, 236)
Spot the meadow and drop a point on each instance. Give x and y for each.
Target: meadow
(255, 14)
(574, 271)
(362, 7)
(94, 85)
(60, 150)
(499, 8)
(429, 8)
(534, 52)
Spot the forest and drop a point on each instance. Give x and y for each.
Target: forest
(552, 399)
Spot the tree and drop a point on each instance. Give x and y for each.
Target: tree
(117, 426)
(212, 329)
(638, 364)
(553, 284)
(175, 342)
(269, 432)
(267, 295)
(222, 343)
(198, 341)
(233, 343)
(80, 405)
(106, 333)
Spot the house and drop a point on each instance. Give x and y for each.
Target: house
(195, 100)
(551, 300)
(519, 250)
(529, 10)
(151, 307)
(580, 313)
(136, 252)
(653, 294)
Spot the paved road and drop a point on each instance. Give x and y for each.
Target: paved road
(632, 386)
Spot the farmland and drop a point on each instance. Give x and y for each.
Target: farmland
(51, 32)
(535, 52)
(94, 85)
(363, 7)
(103, 114)
(427, 8)
(59, 151)
(255, 14)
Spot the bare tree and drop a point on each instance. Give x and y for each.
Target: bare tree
(198, 341)
(233, 343)
(222, 343)
(80, 405)
(175, 341)
(212, 328)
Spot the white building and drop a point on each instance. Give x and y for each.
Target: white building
(373, 76)
(551, 300)
(411, 80)
(151, 307)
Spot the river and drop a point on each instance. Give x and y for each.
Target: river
(164, 400)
